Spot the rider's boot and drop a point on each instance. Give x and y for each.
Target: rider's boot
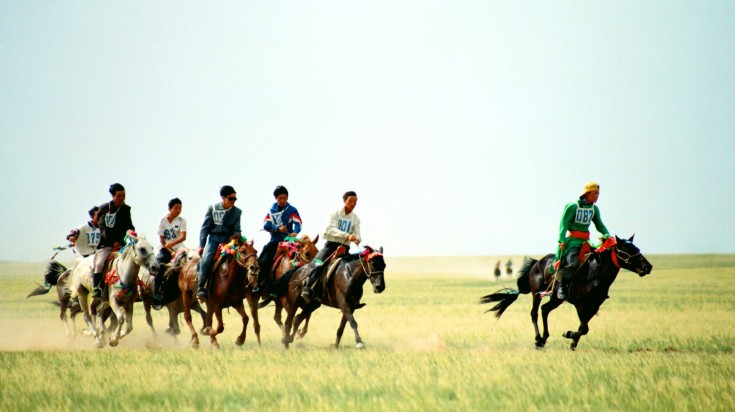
(202, 290)
(158, 285)
(97, 285)
(566, 276)
(308, 293)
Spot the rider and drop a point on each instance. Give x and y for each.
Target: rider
(86, 237)
(114, 222)
(282, 220)
(221, 223)
(172, 233)
(343, 228)
(574, 232)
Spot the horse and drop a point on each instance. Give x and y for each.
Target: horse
(123, 278)
(172, 299)
(588, 288)
(230, 283)
(509, 268)
(288, 258)
(497, 271)
(343, 290)
(57, 275)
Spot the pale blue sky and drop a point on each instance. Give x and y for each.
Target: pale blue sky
(464, 127)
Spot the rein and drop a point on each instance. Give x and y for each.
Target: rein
(369, 271)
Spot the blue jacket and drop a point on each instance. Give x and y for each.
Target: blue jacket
(287, 216)
(220, 223)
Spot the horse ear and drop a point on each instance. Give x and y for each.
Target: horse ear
(381, 250)
(316, 239)
(631, 238)
(617, 239)
(250, 242)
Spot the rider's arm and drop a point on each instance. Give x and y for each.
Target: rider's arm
(597, 220)
(206, 227)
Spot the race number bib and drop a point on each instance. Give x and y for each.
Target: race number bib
(345, 225)
(218, 216)
(584, 216)
(110, 220)
(277, 219)
(93, 238)
(170, 233)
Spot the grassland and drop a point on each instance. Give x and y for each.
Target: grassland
(662, 342)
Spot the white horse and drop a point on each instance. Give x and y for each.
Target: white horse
(121, 294)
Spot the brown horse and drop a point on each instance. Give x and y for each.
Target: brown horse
(343, 291)
(231, 282)
(171, 297)
(288, 258)
(588, 290)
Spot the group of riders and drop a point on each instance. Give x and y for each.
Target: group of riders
(109, 223)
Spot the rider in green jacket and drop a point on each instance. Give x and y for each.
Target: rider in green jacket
(574, 232)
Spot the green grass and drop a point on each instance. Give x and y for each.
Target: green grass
(662, 342)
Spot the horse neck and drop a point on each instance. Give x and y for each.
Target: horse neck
(608, 270)
(127, 268)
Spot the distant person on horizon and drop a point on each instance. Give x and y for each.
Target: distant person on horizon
(343, 228)
(86, 237)
(574, 232)
(221, 223)
(114, 222)
(282, 220)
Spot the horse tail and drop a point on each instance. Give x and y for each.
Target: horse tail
(524, 284)
(504, 297)
(54, 269)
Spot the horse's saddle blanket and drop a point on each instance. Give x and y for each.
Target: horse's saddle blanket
(332, 268)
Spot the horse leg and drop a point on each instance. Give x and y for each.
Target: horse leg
(173, 320)
(305, 329)
(347, 313)
(64, 304)
(240, 308)
(148, 317)
(584, 315)
(187, 301)
(546, 308)
(119, 312)
(304, 315)
(534, 318)
(220, 327)
(203, 313)
(290, 311)
(277, 314)
(88, 318)
(340, 330)
(128, 311)
(253, 302)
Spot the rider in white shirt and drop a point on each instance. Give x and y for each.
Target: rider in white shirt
(172, 233)
(86, 237)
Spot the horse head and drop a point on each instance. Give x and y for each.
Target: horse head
(308, 249)
(247, 257)
(375, 267)
(144, 255)
(631, 258)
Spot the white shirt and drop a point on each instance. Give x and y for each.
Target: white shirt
(341, 225)
(172, 231)
(88, 239)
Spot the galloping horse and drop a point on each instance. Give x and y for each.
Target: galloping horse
(122, 291)
(230, 284)
(286, 263)
(343, 291)
(171, 297)
(588, 290)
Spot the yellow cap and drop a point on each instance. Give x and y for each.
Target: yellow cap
(590, 187)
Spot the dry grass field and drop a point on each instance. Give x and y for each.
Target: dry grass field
(662, 342)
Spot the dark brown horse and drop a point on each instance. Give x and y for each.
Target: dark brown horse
(343, 290)
(230, 283)
(588, 289)
(289, 257)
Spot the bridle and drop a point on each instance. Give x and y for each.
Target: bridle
(369, 271)
(626, 259)
(242, 259)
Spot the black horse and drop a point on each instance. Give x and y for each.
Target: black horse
(588, 289)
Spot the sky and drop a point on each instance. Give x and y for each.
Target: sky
(464, 127)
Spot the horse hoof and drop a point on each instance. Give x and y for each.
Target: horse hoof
(99, 345)
(540, 344)
(239, 342)
(360, 345)
(113, 343)
(573, 346)
(568, 334)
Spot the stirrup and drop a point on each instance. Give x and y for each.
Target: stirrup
(97, 293)
(202, 293)
(307, 294)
